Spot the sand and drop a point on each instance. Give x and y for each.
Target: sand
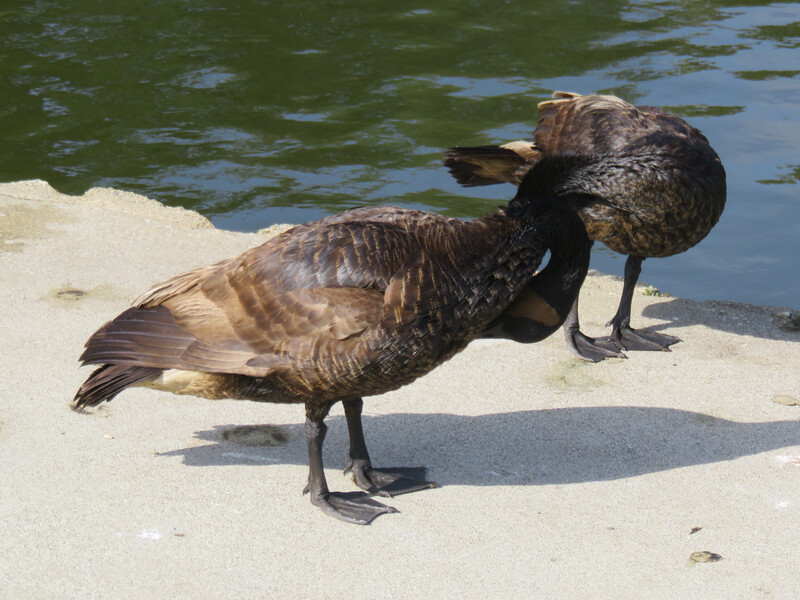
(559, 479)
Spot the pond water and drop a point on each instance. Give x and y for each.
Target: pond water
(255, 113)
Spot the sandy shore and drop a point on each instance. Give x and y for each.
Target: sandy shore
(559, 479)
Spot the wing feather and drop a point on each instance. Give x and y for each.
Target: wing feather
(310, 288)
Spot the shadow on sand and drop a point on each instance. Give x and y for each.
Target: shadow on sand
(740, 319)
(536, 447)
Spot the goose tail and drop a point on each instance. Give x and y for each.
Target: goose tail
(486, 165)
(109, 380)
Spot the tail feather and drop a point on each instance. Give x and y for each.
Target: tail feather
(139, 336)
(109, 380)
(487, 165)
(142, 332)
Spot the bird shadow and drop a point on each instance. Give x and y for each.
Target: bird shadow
(731, 317)
(532, 447)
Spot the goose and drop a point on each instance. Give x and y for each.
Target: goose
(644, 182)
(355, 304)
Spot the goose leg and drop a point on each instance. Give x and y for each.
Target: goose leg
(351, 507)
(389, 482)
(622, 333)
(585, 347)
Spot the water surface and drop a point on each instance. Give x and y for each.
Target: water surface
(255, 113)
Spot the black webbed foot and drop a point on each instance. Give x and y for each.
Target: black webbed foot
(592, 349)
(632, 339)
(585, 347)
(351, 507)
(388, 482)
(622, 334)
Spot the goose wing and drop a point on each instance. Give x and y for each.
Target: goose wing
(319, 286)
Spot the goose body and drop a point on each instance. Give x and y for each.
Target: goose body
(644, 182)
(355, 304)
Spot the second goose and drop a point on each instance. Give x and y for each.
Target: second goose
(644, 182)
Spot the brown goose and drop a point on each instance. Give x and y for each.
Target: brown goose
(355, 304)
(644, 182)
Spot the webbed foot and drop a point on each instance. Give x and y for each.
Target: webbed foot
(632, 339)
(350, 507)
(622, 334)
(388, 482)
(592, 349)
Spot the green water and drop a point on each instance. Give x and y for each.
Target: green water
(261, 112)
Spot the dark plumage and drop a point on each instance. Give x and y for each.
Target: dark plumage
(355, 304)
(644, 182)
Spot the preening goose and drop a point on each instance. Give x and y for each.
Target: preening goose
(644, 182)
(354, 304)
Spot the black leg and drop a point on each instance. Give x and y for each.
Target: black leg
(583, 346)
(622, 333)
(353, 507)
(389, 482)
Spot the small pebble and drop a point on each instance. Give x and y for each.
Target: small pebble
(704, 557)
(785, 400)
